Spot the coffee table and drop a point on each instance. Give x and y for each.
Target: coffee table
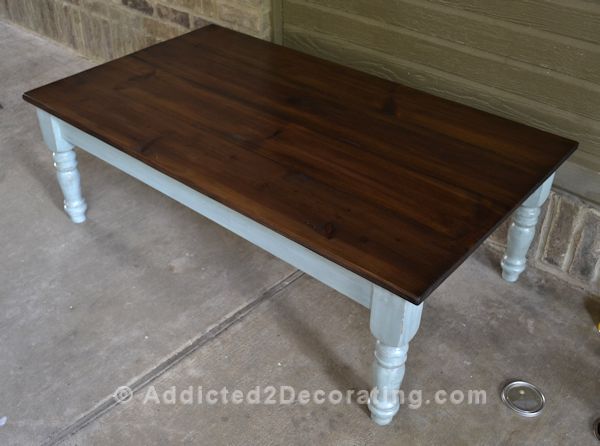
(378, 190)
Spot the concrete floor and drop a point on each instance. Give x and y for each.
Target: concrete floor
(150, 295)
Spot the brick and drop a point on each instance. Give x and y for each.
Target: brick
(29, 15)
(160, 30)
(99, 7)
(560, 230)
(209, 8)
(139, 5)
(68, 24)
(8, 13)
(535, 248)
(127, 39)
(196, 7)
(41, 13)
(257, 5)
(587, 251)
(239, 18)
(3, 9)
(265, 24)
(173, 15)
(96, 37)
(45, 17)
(199, 22)
(119, 15)
(18, 13)
(187, 4)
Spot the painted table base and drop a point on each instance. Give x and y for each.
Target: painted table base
(393, 322)
(522, 231)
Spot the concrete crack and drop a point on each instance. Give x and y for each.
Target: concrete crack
(139, 383)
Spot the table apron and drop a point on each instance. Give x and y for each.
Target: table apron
(337, 277)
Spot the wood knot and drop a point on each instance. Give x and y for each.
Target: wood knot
(328, 230)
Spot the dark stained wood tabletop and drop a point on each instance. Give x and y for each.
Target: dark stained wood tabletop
(394, 184)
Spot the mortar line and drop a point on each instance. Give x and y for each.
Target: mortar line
(110, 402)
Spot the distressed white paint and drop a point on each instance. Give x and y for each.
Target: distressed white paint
(394, 322)
(66, 166)
(522, 231)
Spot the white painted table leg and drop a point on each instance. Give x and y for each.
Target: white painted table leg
(66, 166)
(522, 231)
(394, 322)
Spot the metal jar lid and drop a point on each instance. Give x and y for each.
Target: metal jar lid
(524, 398)
(597, 428)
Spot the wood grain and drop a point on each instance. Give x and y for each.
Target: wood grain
(391, 183)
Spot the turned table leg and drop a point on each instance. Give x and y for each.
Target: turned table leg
(66, 166)
(394, 322)
(522, 231)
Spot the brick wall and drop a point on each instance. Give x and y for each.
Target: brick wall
(106, 29)
(567, 242)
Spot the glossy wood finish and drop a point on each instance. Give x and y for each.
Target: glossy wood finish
(393, 184)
